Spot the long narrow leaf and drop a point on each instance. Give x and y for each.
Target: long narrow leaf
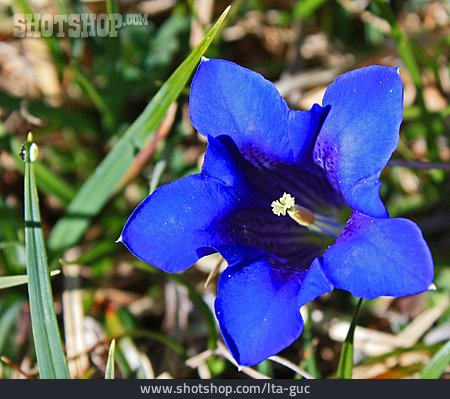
(47, 181)
(47, 340)
(109, 372)
(93, 195)
(111, 6)
(403, 44)
(8, 320)
(345, 366)
(12, 281)
(437, 365)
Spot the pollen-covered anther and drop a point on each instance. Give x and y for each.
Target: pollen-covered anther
(281, 206)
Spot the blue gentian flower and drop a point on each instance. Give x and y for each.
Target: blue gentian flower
(273, 186)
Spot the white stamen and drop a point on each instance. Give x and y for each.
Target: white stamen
(323, 224)
(286, 204)
(281, 206)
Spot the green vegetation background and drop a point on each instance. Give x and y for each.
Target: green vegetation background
(79, 96)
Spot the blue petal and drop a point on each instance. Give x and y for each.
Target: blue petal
(180, 222)
(227, 99)
(314, 284)
(375, 257)
(258, 308)
(219, 210)
(170, 229)
(223, 162)
(360, 133)
(303, 129)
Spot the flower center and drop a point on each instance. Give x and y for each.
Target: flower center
(315, 222)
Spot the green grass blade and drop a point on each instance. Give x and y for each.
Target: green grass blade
(47, 340)
(163, 339)
(8, 320)
(13, 281)
(88, 87)
(47, 181)
(309, 361)
(111, 6)
(109, 372)
(93, 195)
(55, 117)
(305, 8)
(403, 44)
(438, 363)
(345, 366)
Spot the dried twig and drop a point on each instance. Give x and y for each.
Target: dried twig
(307, 79)
(199, 359)
(223, 351)
(214, 272)
(73, 319)
(292, 366)
(16, 367)
(375, 343)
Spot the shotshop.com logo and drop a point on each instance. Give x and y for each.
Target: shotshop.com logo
(73, 25)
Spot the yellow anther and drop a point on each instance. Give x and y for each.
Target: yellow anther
(303, 216)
